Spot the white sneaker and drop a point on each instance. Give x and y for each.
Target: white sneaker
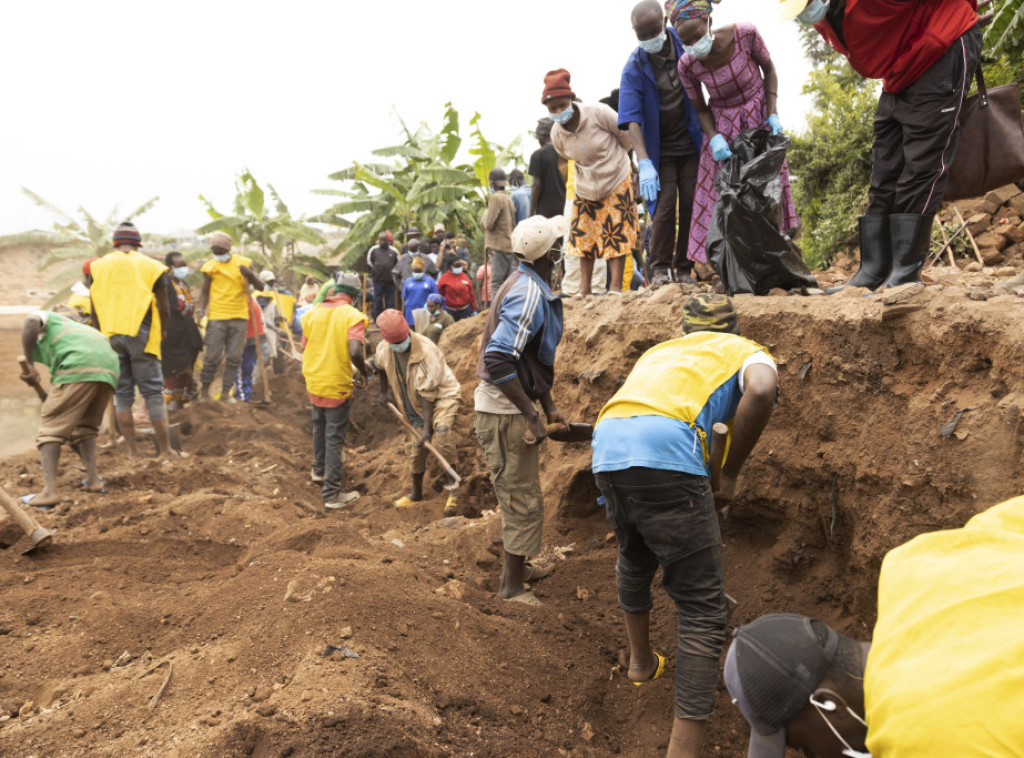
(315, 478)
(344, 499)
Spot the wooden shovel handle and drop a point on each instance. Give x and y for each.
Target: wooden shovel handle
(430, 448)
(26, 369)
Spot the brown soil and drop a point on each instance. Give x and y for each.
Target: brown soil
(225, 565)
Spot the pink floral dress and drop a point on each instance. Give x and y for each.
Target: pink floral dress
(736, 97)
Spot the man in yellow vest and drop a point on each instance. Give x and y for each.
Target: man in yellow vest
(942, 675)
(651, 463)
(333, 333)
(129, 305)
(225, 302)
(78, 300)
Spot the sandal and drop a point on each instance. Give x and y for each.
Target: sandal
(533, 572)
(662, 660)
(30, 500)
(102, 488)
(526, 598)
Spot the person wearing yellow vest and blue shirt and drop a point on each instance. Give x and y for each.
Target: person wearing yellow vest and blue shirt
(651, 457)
(942, 675)
(225, 302)
(333, 333)
(83, 375)
(130, 306)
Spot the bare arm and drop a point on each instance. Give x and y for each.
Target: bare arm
(250, 277)
(513, 390)
(204, 298)
(760, 391)
(771, 87)
(162, 306)
(355, 352)
(636, 137)
(30, 335)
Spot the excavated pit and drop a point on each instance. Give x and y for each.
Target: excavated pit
(226, 566)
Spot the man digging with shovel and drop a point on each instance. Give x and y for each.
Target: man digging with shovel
(84, 370)
(415, 378)
(655, 462)
(517, 369)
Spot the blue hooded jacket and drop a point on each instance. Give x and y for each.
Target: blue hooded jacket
(639, 103)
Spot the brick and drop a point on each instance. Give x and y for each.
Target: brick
(1017, 204)
(989, 207)
(1003, 194)
(991, 239)
(991, 256)
(1009, 232)
(978, 223)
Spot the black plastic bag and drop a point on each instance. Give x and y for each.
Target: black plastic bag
(744, 243)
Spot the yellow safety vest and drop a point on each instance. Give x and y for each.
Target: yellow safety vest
(326, 363)
(122, 293)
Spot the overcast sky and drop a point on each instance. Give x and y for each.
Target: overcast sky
(111, 102)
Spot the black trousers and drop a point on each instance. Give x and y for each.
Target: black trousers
(917, 132)
(678, 185)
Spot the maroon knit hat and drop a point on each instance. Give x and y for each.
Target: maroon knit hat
(127, 234)
(556, 84)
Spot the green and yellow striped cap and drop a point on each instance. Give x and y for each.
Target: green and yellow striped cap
(710, 312)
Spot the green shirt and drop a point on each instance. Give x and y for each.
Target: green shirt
(74, 352)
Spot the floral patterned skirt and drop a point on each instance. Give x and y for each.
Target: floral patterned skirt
(605, 228)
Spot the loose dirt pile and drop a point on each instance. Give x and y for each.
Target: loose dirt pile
(898, 415)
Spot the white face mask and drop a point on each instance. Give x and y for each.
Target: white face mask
(702, 49)
(655, 44)
(814, 13)
(222, 258)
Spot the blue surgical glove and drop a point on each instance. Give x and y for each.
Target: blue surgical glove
(774, 124)
(650, 184)
(720, 148)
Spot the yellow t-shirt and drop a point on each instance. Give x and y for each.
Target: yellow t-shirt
(945, 675)
(122, 293)
(229, 290)
(326, 363)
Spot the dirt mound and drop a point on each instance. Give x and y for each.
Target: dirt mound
(226, 566)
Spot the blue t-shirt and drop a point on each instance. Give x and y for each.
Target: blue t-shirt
(661, 442)
(415, 293)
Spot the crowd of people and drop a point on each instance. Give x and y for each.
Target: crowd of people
(658, 441)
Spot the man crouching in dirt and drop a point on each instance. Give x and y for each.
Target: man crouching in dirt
(84, 371)
(415, 378)
(517, 368)
(333, 333)
(651, 463)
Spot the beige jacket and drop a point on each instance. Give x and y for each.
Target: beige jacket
(599, 148)
(428, 377)
(499, 221)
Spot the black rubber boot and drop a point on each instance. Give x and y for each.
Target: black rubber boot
(875, 254)
(911, 236)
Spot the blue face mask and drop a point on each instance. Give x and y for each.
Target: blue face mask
(655, 44)
(222, 258)
(402, 346)
(417, 275)
(563, 117)
(814, 13)
(702, 49)
(456, 270)
(181, 271)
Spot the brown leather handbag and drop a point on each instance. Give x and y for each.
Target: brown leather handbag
(991, 150)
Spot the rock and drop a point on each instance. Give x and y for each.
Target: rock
(587, 731)
(1010, 232)
(1016, 204)
(991, 255)
(991, 239)
(667, 293)
(27, 709)
(902, 293)
(267, 710)
(582, 593)
(262, 693)
(989, 207)
(1005, 271)
(345, 633)
(306, 696)
(777, 292)
(976, 293)
(973, 267)
(453, 588)
(1002, 194)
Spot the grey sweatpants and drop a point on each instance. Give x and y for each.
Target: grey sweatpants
(225, 339)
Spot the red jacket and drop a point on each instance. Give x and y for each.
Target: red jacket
(457, 291)
(898, 40)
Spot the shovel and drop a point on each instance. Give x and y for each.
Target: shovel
(456, 479)
(26, 370)
(38, 536)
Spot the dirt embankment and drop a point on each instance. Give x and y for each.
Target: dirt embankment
(225, 566)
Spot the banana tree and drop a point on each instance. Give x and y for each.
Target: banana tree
(421, 186)
(269, 237)
(72, 240)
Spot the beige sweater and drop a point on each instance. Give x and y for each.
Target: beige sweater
(599, 148)
(499, 221)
